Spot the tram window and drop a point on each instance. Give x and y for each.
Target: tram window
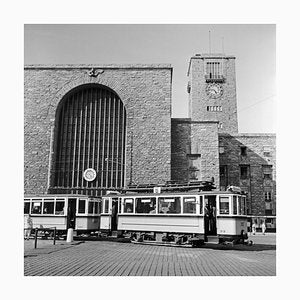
(120, 206)
(169, 205)
(234, 205)
(26, 207)
(145, 205)
(59, 207)
(128, 205)
(96, 207)
(224, 205)
(242, 206)
(36, 207)
(189, 205)
(90, 207)
(81, 206)
(48, 207)
(106, 206)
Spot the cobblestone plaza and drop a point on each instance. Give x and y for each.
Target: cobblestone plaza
(103, 258)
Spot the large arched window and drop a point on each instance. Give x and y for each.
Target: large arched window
(90, 134)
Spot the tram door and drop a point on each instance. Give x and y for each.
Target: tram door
(114, 214)
(210, 215)
(71, 216)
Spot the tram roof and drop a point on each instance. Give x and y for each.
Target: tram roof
(176, 193)
(59, 196)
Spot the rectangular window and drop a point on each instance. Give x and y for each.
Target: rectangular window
(244, 172)
(268, 196)
(36, 207)
(106, 206)
(234, 205)
(268, 212)
(213, 70)
(48, 207)
(267, 171)
(214, 108)
(242, 205)
(96, 207)
(267, 151)
(128, 205)
(189, 205)
(59, 207)
(223, 171)
(91, 207)
(224, 205)
(243, 151)
(81, 206)
(169, 205)
(145, 205)
(26, 207)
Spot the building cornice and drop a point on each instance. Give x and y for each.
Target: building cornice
(98, 66)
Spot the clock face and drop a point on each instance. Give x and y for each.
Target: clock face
(214, 90)
(89, 174)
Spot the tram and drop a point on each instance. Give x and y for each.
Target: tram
(80, 212)
(193, 217)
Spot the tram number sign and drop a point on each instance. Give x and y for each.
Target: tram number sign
(89, 174)
(157, 190)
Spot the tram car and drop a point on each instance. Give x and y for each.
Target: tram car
(192, 218)
(80, 212)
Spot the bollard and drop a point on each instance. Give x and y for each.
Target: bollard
(70, 235)
(35, 238)
(54, 236)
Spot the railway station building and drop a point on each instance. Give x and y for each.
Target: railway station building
(91, 128)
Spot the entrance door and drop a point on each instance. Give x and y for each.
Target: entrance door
(210, 216)
(71, 217)
(114, 214)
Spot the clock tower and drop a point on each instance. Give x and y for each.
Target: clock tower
(212, 91)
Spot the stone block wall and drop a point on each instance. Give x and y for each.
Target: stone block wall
(194, 151)
(256, 159)
(180, 147)
(199, 100)
(146, 93)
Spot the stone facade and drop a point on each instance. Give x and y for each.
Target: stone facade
(245, 160)
(145, 91)
(158, 149)
(200, 100)
(257, 153)
(195, 153)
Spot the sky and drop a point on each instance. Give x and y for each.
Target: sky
(252, 45)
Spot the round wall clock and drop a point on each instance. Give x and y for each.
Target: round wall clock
(214, 90)
(89, 174)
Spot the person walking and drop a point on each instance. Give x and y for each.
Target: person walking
(263, 228)
(253, 228)
(28, 226)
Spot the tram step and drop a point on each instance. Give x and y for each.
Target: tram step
(212, 239)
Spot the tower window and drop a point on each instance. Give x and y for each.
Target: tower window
(214, 71)
(214, 108)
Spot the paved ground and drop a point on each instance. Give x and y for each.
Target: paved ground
(103, 258)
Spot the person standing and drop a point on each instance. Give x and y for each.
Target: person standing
(28, 226)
